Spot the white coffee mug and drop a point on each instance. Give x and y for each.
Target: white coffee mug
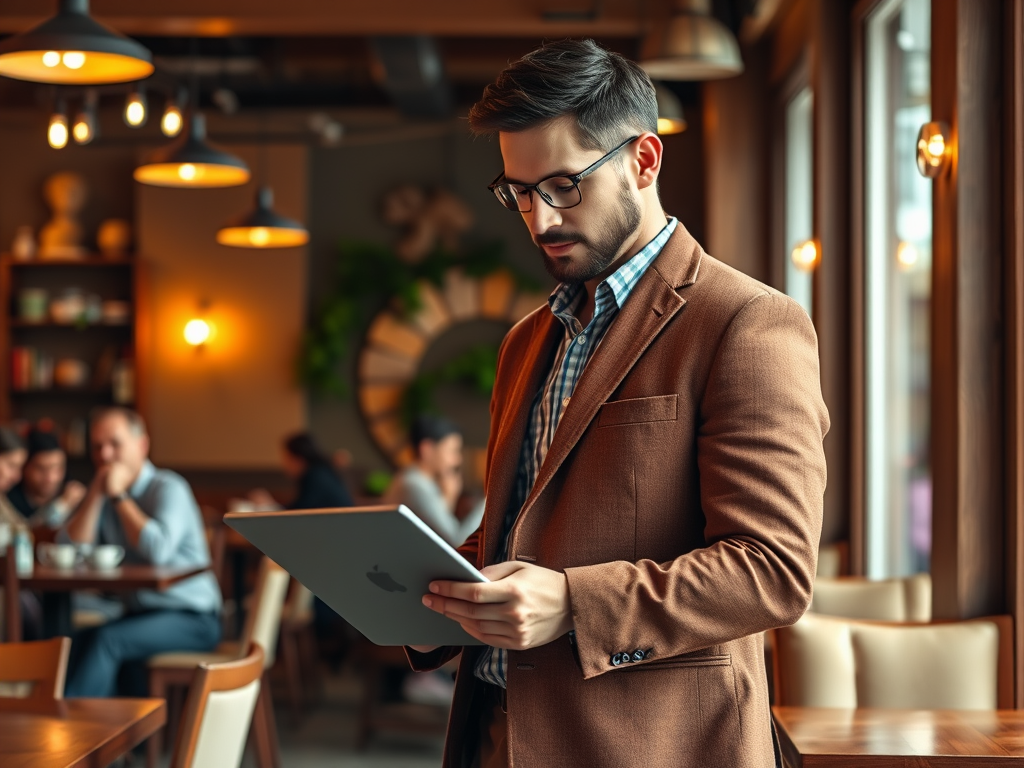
(106, 557)
(63, 556)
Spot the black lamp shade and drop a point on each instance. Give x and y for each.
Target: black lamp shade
(190, 162)
(73, 48)
(262, 227)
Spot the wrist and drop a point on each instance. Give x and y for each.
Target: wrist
(117, 498)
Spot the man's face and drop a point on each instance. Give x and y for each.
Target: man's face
(442, 457)
(112, 440)
(43, 474)
(583, 242)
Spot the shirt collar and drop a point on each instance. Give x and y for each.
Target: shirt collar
(142, 481)
(619, 284)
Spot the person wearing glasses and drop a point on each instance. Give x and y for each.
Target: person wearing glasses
(655, 469)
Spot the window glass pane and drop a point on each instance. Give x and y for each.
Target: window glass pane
(799, 190)
(898, 250)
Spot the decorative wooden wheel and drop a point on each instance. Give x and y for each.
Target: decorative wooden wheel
(395, 345)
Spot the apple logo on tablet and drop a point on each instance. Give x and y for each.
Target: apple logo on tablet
(383, 580)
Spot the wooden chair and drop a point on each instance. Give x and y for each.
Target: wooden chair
(834, 559)
(852, 597)
(298, 648)
(35, 670)
(262, 624)
(218, 713)
(824, 661)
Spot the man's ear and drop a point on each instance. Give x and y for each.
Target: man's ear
(649, 150)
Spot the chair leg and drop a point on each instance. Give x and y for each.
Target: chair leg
(158, 690)
(265, 728)
(293, 672)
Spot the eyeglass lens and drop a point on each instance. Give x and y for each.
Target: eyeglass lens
(558, 192)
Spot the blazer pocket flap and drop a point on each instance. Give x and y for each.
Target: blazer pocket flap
(638, 410)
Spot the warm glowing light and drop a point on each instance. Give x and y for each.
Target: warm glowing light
(188, 172)
(51, 59)
(57, 135)
(135, 109)
(82, 131)
(933, 149)
(74, 59)
(669, 125)
(259, 236)
(907, 255)
(805, 255)
(197, 332)
(936, 146)
(171, 122)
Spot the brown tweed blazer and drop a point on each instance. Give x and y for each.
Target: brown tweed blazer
(682, 498)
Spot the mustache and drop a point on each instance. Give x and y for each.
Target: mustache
(557, 238)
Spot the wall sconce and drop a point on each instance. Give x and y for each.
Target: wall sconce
(807, 255)
(199, 330)
(934, 149)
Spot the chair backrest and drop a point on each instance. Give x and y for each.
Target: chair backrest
(908, 599)
(216, 535)
(34, 670)
(833, 559)
(218, 712)
(824, 661)
(298, 608)
(263, 622)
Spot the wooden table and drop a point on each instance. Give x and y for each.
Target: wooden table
(60, 583)
(900, 738)
(75, 733)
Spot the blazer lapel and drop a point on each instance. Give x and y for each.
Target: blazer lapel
(653, 302)
(503, 471)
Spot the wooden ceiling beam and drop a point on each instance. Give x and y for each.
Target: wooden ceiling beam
(542, 19)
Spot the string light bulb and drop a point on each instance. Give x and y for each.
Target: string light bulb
(172, 121)
(85, 125)
(135, 108)
(197, 332)
(57, 133)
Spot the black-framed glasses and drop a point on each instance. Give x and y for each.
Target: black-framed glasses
(556, 191)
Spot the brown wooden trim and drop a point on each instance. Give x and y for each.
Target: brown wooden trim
(1014, 282)
(6, 310)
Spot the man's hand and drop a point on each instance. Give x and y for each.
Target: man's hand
(523, 606)
(73, 494)
(118, 479)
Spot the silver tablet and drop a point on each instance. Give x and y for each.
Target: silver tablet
(370, 564)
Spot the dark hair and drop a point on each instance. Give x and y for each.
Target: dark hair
(41, 441)
(603, 91)
(301, 445)
(10, 441)
(430, 427)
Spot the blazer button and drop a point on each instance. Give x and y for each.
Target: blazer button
(648, 653)
(616, 659)
(638, 655)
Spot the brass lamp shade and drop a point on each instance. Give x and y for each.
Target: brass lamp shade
(695, 46)
(191, 162)
(262, 227)
(670, 111)
(73, 48)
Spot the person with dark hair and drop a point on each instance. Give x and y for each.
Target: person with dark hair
(655, 471)
(431, 486)
(43, 497)
(12, 459)
(319, 484)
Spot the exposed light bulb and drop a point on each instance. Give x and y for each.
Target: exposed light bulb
(135, 109)
(57, 134)
(197, 332)
(934, 150)
(82, 129)
(74, 59)
(805, 256)
(51, 59)
(188, 172)
(259, 236)
(171, 122)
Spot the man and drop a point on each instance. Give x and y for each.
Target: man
(655, 464)
(432, 485)
(42, 497)
(151, 513)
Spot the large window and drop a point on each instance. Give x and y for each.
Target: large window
(898, 248)
(799, 190)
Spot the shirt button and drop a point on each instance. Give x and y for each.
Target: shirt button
(581, 340)
(565, 402)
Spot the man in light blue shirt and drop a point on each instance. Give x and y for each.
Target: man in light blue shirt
(152, 514)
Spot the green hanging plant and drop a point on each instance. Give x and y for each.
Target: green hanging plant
(476, 368)
(368, 276)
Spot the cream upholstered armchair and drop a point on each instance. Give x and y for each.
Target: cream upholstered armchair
(824, 661)
(907, 599)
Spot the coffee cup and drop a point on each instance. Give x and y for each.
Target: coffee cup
(106, 557)
(63, 556)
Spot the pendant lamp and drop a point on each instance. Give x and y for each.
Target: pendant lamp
(695, 46)
(263, 227)
(190, 162)
(670, 111)
(73, 48)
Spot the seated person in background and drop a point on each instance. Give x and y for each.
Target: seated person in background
(151, 513)
(42, 497)
(432, 485)
(12, 459)
(320, 485)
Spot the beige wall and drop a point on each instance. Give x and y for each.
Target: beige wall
(227, 405)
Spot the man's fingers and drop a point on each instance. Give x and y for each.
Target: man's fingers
(460, 609)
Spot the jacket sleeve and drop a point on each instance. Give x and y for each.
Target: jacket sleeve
(762, 482)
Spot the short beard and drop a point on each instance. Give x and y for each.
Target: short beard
(599, 254)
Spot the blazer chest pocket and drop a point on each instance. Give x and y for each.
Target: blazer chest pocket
(638, 410)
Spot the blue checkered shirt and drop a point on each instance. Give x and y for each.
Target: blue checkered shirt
(574, 352)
